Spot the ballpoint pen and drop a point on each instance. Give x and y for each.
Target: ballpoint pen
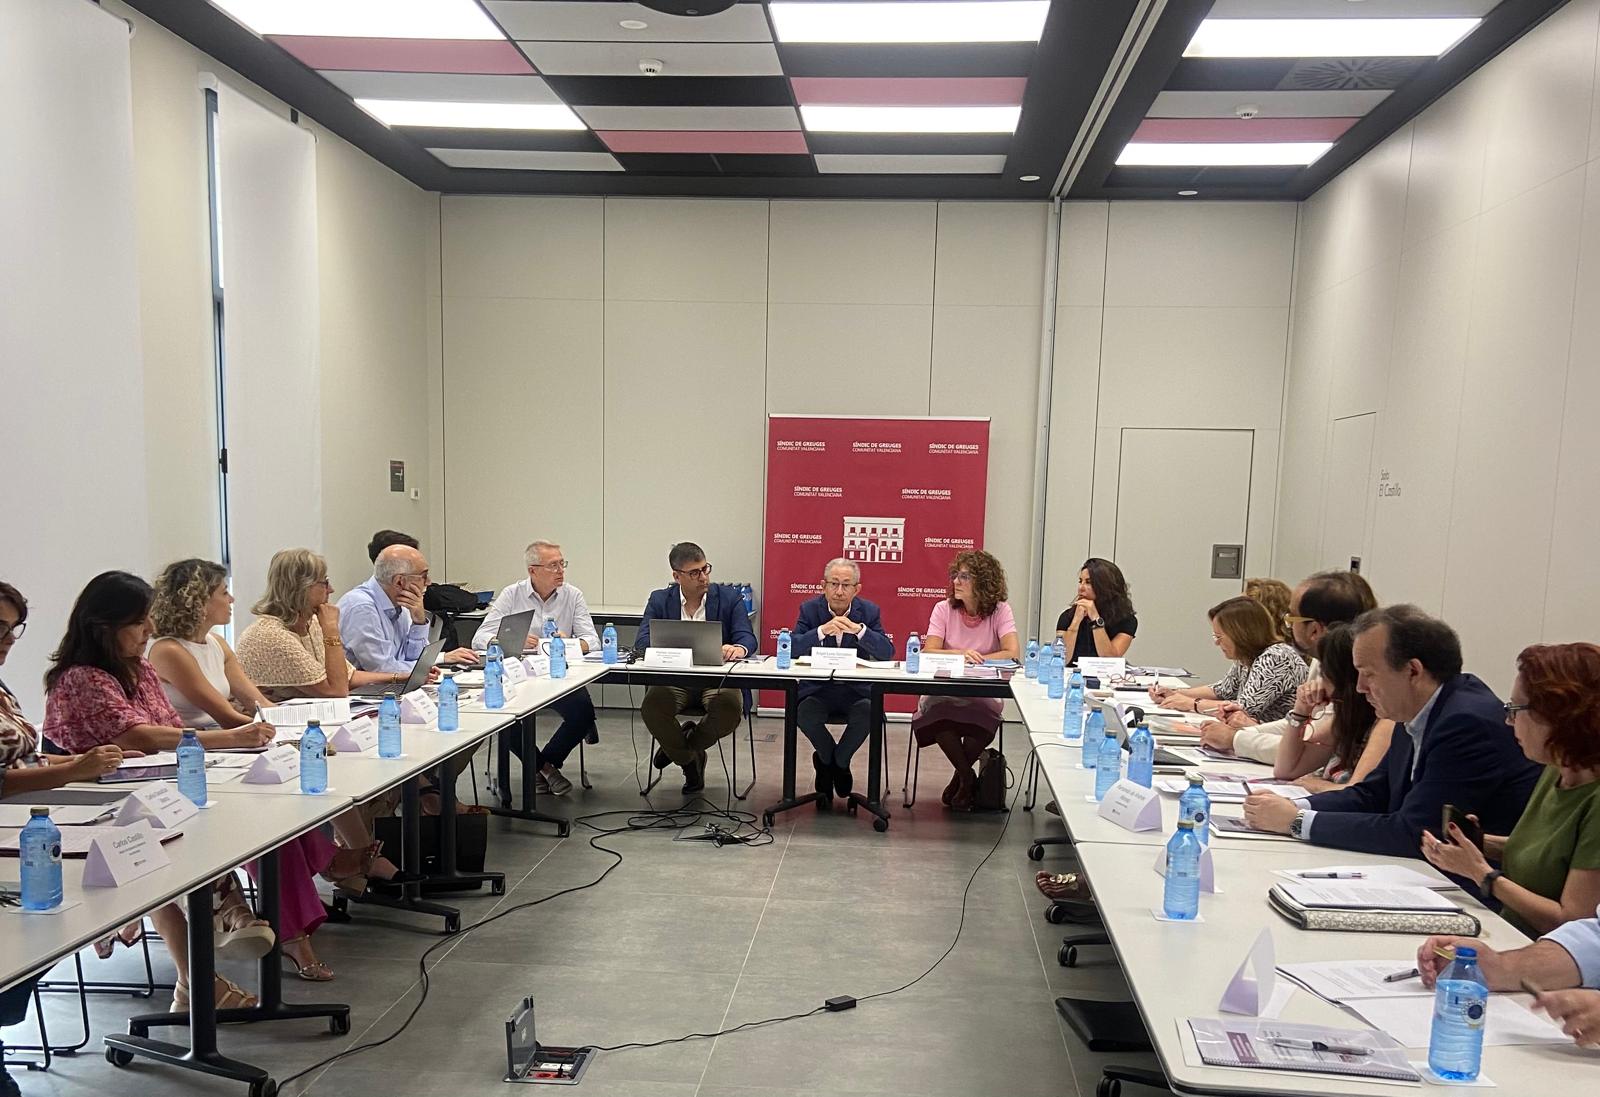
(1318, 1045)
(1332, 875)
(1402, 976)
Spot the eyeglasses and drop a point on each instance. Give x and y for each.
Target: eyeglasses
(840, 584)
(701, 572)
(1512, 708)
(555, 565)
(323, 582)
(14, 631)
(1216, 638)
(961, 576)
(1291, 620)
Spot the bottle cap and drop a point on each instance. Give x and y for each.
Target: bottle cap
(1463, 952)
(313, 723)
(1197, 780)
(449, 674)
(1185, 824)
(39, 812)
(388, 695)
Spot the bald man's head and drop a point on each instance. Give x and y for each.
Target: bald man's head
(400, 566)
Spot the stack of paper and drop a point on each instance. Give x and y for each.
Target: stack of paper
(1362, 895)
(330, 711)
(1392, 875)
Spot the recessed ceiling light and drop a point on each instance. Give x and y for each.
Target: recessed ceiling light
(500, 116)
(455, 19)
(1327, 37)
(832, 119)
(1252, 154)
(911, 21)
(633, 24)
(1187, 193)
(1030, 178)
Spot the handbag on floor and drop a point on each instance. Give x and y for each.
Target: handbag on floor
(990, 795)
(472, 839)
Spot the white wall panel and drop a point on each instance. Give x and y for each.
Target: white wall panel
(848, 359)
(524, 247)
(1212, 254)
(875, 253)
(990, 253)
(665, 249)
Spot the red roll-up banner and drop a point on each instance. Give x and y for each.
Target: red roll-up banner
(900, 497)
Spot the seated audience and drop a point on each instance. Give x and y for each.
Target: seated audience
(976, 621)
(1101, 622)
(1450, 746)
(1265, 673)
(1345, 743)
(1274, 596)
(1325, 599)
(203, 680)
(838, 617)
(694, 597)
(294, 647)
(386, 537)
(547, 592)
(1549, 865)
(383, 623)
(1567, 956)
(100, 690)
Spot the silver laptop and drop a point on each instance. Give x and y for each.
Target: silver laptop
(1163, 756)
(512, 635)
(419, 675)
(703, 637)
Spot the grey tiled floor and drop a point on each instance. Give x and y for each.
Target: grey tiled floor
(685, 937)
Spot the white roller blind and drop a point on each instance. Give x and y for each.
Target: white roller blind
(72, 467)
(272, 387)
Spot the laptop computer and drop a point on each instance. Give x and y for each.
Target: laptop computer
(703, 637)
(1123, 719)
(419, 675)
(512, 635)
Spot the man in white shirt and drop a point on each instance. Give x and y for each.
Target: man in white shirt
(547, 592)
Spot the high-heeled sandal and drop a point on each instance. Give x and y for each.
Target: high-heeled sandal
(1063, 887)
(239, 933)
(314, 972)
(355, 884)
(228, 994)
(967, 791)
(129, 935)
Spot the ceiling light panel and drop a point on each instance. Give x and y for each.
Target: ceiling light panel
(449, 19)
(1145, 154)
(1327, 37)
(911, 21)
(508, 116)
(843, 119)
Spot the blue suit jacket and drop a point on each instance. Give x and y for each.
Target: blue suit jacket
(873, 644)
(1469, 758)
(724, 602)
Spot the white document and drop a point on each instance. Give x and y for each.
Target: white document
(62, 815)
(1360, 895)
(1233, 826)
(1340, 981)
(1390, 875)
(1410, 1020)
(159, 758)
(75, 841)
(327, 710)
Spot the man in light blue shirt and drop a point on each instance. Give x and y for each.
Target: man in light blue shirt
(1567, 956)
(382, 622)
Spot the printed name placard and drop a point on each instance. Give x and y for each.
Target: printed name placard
(516, 670)
(1103, 669)
(1250, 989)
(356, 736)
(951, 663)
(126, 854)
(274, 767)
(417, 707)
(832, 658)
(537, 666)
(1132, 807)
(1208, 874)
(159, 803)
(669, 658)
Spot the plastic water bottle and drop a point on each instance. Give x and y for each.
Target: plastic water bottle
(748, 594)
(1141, 756)
(40, 843)
(913, 654)
(785, 649)
(608, 645)
(494, 667)
(1195, 806)
(449, 703)
(389, 724)
(549, 627)
(1460, 1007)
(558, 657)
(1055, 686)
(1072, 711)
(1030, 666)
(1108, 766)
(1092, 734)
(1180, 897)
(1060, 648)
(192, 767)
(313, 760)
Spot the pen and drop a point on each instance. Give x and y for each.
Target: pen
(1318, 1045)
(1402, 976)
(1333, 876)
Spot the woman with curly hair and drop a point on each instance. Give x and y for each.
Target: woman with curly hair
(975, 621)
(1274, 596)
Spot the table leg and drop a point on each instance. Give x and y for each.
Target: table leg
(526, 728)
(872, 800)
(448, 878)
(409, 895)
(791, 731)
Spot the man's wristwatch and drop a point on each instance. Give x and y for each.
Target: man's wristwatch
(1298, 827)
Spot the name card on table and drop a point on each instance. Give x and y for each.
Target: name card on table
(274, 767)
(126, 854)
(669, 658)
(536, 665)
(1132, 807)
(1103, 669)
(832, 658)
(1251, 993)
(952, 663)
(159, 803)
(417, 707)
(1208, 872)
(516, 670)
(356, 736)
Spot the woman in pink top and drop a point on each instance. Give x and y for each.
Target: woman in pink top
(976, 621)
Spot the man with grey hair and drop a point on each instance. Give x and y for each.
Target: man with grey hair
(547, 592)
(382, 622)
(838, 617)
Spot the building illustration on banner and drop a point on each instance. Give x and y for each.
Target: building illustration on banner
(874, 540)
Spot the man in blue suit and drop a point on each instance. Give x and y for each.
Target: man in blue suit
(1450, 745)
(694, 597)
(838, 617)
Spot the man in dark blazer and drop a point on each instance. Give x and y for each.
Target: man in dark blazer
(694, 597)
(838, 617)
(1450, 745)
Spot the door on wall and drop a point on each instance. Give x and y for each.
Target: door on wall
(1181, 495)
(1351, 491)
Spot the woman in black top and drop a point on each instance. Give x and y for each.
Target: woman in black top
(1101, 622)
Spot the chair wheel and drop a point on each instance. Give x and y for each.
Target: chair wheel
(452, 924)
(880, 825)
(264, 1088)
(1036, 852)
(497, 887)
(766, 820)
(1068, 956)
(1108, 1087)
(339, 1024)
(117, 1057)
(1055, 914)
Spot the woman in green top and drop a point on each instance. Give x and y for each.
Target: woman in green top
(1550, 863)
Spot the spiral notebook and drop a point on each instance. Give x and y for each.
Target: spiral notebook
(1256, 1044)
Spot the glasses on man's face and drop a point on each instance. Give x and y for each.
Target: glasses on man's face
(554, 565)
(1290, 620)
(840, 584)
(1512, 708)
(14, 631)
(961, 576)
(701, 572)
